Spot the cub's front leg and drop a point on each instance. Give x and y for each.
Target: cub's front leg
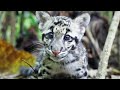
(76, 70)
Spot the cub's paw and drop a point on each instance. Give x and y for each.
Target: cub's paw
(24, 71)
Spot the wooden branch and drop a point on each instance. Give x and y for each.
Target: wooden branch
(94, 42)
(104, 57)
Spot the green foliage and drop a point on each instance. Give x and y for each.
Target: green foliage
(107, 14)
(29, 21)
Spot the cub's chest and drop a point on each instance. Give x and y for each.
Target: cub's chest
(52, 67)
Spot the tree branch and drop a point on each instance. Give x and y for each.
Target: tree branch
(94, 42)
(104, 57)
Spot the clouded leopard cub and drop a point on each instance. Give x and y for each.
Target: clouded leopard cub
(62, 50)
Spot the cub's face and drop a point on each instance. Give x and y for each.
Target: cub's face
(61, 34)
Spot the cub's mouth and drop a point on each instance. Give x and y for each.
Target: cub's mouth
(57, 58)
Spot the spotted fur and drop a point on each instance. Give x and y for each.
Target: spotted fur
(62, 50)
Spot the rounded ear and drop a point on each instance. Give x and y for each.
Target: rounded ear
(83, 20)
(42, 17)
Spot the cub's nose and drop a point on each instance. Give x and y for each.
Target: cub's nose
(55, 52)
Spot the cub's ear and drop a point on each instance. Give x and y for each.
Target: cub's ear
(42, 17)
(83, 21)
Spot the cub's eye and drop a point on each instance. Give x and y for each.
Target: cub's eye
(68, 38)
(49, 35)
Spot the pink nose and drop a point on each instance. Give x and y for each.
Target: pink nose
(55, 53)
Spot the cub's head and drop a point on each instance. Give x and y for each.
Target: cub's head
(61, 34)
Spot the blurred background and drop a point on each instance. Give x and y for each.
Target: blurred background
(19, 29)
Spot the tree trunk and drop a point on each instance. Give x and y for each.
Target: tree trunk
(104, 57)
(4, 25)
(13, 29)
(21, 23)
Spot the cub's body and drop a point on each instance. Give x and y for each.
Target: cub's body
(62, 50)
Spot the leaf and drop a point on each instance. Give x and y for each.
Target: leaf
(11, 59)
